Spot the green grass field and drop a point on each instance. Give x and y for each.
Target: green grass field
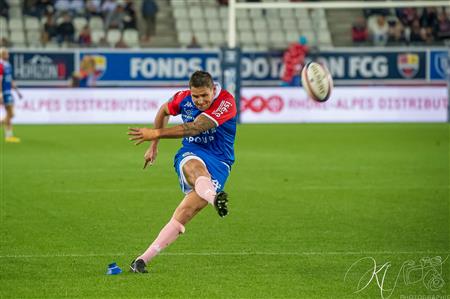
(307, 201)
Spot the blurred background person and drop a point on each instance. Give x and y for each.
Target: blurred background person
(6, 97)
(149, 11)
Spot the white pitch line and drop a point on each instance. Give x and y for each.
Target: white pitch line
(306, 253)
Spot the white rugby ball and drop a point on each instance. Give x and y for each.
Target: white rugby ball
(317, 81)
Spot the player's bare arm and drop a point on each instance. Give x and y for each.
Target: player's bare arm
(201, 124)
(161, 120)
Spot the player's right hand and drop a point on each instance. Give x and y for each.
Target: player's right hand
(150, 155)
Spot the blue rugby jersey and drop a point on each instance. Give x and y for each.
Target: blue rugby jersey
(6, 73)
(218, 141)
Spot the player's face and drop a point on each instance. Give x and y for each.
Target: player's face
(202, 97)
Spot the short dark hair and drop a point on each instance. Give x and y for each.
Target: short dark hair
(201, 79)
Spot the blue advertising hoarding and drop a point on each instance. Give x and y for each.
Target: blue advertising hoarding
(172, 67)
(48, 67)
(438, 62)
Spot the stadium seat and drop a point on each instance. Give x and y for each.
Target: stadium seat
(15, 24)
(4, 33)
(259, 24)
(113, 36)
(301, 13)
(195, 12)
(178, 3)
(304, 24)
(289, 24)
(96, 35)
(180, 13)
(96, 23)
(278, 39)
(223, 12)
(275, 24)
(256, 13)
(79, 23)
(242, 14)
(211, 12)
(217, 38)
(213, 24)
(52, 46)
(3, 23)
(17, 37)
(244, 24)
(131, 37)
(198, 24)
(15, 12)
(287, 13)
(32, 23)
(247, 38)
(292, 36)
(184, 37)
(33, 36)
(202, 37)
(262, 38)
(181, 24)
(273, 14)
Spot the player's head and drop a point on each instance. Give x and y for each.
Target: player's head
(202, 89)
(4, 54)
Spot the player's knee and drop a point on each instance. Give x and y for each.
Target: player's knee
(193, 169)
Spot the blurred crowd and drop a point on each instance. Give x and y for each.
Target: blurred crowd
(402, 26)
(59, 16)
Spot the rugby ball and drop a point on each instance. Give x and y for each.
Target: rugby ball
(317, 81)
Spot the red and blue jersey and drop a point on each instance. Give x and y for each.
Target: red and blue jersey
(6, 74)
(218, 141)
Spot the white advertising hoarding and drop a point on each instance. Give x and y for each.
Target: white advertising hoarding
(259, 105)
(347, 104)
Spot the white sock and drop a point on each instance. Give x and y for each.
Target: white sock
(9, 133)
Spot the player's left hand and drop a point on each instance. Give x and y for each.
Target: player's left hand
(142, 134)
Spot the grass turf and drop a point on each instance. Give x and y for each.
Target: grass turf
(307, 201)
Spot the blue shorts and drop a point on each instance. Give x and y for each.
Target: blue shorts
(8, 99)
(218, 170)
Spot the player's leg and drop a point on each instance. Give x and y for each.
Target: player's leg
(9, 136)
(198, 177)
(185, 211)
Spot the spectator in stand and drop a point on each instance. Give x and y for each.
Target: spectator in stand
(360, 33)
(103, 43)
(149, 12)
(61, 7)
(66, 30)
(50, 31)
(93, 8)
(4, 9)
(108, 7)
(114, 20)
(130, 15)
(121, 44)
(417, 33)
(443, 26)
(379, 31)
(194, 43)
(407, 16)
(395, 32)
(84, 39)
(4, 42)
(44, 7)
(429, 17)
(76, 8)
